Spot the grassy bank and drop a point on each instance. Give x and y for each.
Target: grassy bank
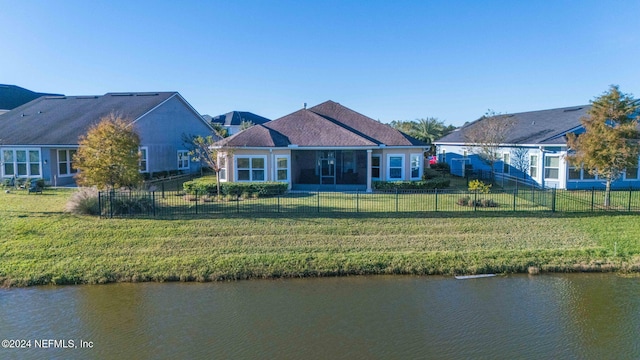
(42, 245)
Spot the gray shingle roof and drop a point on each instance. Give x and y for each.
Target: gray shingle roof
(12, 96)
(236, 118)
(533, 127)
(60, 120)
(326, 125)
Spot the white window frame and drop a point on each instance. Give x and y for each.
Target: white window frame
(557, 168)
(389, 167)
(144, 150)
(68, 163)
(379, 167)
(183, 157)
(583, 174)
(222, 166)
(533, 164)
(276, 168)
(251, 169)
(506, 163)
(636, 174)
(27, 162)
(411, 167)
(574, 169)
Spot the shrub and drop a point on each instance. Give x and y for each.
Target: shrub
(477, 186)
(249, 189)
(440, 183)
(430, 173)
(468, 201)
(83, 202)
(441, 166)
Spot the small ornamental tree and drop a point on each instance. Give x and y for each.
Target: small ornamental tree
(109, 155)
(487, 136)
(204, 151)
(609, 144)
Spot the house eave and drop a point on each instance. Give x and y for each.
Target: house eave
(318, 147)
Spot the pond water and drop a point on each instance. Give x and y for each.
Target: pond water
(574, 316)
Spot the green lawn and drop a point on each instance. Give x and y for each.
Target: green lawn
(42, 245)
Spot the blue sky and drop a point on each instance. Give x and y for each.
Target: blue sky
(390, 60)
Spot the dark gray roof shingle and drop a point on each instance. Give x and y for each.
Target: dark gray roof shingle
(61, 120)
(326, 125)
(12, 96)
(237, 117)
(533, 127)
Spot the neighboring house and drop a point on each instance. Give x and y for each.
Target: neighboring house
(232, 121)
(535, 151)
(40, 138)
(326, 147)
(12, 96)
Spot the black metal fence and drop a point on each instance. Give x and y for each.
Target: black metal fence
(177, 203)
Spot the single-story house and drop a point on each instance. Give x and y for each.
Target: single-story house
(38, 139)
(232, 121)
(534, 151)
(326, 147)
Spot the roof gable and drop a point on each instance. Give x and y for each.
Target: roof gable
(256, 136)
(326, 125)
(61, 120)
(364, 126)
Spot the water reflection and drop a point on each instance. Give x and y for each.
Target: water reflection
(551, 316)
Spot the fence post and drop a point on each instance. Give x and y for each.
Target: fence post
(630, 192)
(111, 204)
(436, 193)
(515, 192)
(553, 200)
(196, 201)
(318, 199)
(593, 192)
(237, 203)
(475, 201)
(162, 186)
(396, 199)
(278, 202)
(358, 201)
(100, 203)
(153, 200)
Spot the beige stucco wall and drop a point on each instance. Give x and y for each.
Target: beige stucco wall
(271, 155)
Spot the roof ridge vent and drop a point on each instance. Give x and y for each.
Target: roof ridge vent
(147, 94)
(121, 94)
(573, 109)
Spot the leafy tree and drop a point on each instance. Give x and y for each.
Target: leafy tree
(204, 151)
(220, 130)
(610, 141)
(245, 124)
(488, 135)
(109, 155)
(427, 130)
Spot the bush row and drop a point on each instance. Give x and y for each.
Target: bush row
(412, 185)
(8, 182)
(253, 189)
